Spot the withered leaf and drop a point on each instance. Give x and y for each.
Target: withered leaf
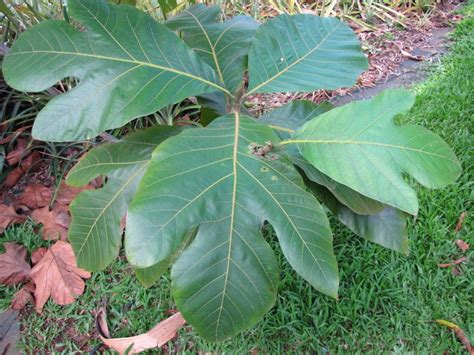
(459, 334)
(156, 337)
(8, 216)
(14, 156)
(13, 176)
(462, 245)
(30, 160)
(57, 276)
(55, 222)
(15, 134)
(36, 196)
(22, 298)
(37, 255)
(13, 266)
(460, 221)
(68, 193)
(453, 263)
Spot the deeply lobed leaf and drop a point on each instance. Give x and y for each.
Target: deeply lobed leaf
(212, 178)
(128, 66)
(304, 53)
(222, 45)
(360, 146)
(95, 232)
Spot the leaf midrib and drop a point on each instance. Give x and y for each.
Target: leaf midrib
(136, 62)
(213, 49)
(299, 60)
(369, 143)
(115, 196)
(232, 215)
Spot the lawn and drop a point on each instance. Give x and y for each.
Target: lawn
(388, 301)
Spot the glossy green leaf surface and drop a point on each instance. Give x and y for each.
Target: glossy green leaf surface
(360, 146)
(226, 279)
(285, 120)
(95, 232)
(149, 275)
(223, 45)
(128, 66)
(304, 53)
(387, 227)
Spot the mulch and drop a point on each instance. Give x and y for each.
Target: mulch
(386, 47)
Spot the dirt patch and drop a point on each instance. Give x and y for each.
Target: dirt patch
(409, 71)
(397, 57)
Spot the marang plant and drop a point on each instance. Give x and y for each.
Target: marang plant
(196, 198)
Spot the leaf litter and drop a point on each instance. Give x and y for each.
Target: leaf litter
(57, 276)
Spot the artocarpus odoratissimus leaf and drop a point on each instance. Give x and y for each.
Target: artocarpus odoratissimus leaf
(285, 120)
(360, 146)
(128, 65)
(386, 227)
(304, 53)
(57, 276)
(213, 178)
(222, 45)
(95, 232)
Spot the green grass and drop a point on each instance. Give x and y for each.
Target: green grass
(388, 301)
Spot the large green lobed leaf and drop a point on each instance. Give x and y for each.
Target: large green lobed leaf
(95, 232)
(222, 45)
(128, 66)
(226, 279)
(288, 118)
(304, 53)
(360, 146)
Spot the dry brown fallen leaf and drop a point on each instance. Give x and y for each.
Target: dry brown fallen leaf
(461, 244)
(460, 221)
(9, 216)
(23, 296)
(67, 193)
(25, 165)
(55, 222)
(13, 176)
(58, 276)
(14, 156)
(37, 255)
(36, 196)
(453, 263)
(156, 337)
(13, 265)
(456, 271)
(14, 135)
(459, 334)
